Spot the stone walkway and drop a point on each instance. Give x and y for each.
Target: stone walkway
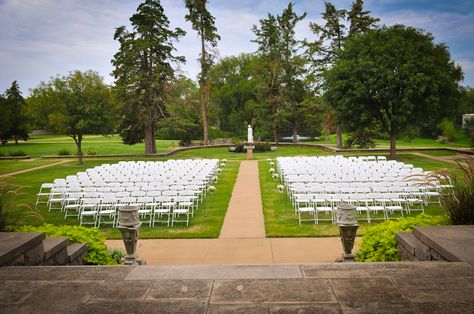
(242, 238)
(417, 287)
(244, 217)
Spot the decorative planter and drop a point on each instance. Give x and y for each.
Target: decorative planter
(346, 215)
(129, 226)
(128, 216)
(346, 219)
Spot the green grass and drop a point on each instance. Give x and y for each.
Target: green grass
(460, 140)
(223, 152)
(51, 145)
(280, 220)
(206, 223)
(8, 166)
(425, 163)
(436, 153)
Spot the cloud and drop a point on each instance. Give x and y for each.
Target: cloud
(42, 38)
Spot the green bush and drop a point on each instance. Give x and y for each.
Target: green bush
(17, 153)
(118, 255)
(379, 244)
(447, 129)
(361, 139)
(91, 151)
(64, 152)
(97, 254)
(9, 194)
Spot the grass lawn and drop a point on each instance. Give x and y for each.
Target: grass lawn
(8, 166)
(460, 140)
(205, 224)
(223, 152)
(280, 220)
(441, 153)
(38, 146)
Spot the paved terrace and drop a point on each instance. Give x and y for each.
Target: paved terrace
(418, 287)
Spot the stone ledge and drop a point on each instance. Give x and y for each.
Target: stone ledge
(14, 244)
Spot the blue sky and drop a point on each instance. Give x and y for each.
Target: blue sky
(42, 38)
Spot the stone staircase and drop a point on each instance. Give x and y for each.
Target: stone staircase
(34, 249)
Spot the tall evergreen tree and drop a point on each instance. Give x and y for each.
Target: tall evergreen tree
(15, 104)
(327, 48)
(142, 71)
(204, 24)
(5, 120)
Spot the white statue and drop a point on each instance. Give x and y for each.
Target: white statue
(249, 134)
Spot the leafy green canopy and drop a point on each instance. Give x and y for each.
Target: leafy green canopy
(395, 76)
(13, 118)
(142, 71)
(76, 104)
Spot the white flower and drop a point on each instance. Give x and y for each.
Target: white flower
(214, 179)
(224, 160)
(219, 170)
(272, 164)
(275, 176)
(272, 170)
(280, 188)
(211, 189)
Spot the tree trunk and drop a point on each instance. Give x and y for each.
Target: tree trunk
(393, 143)
(276, 134)
(150, 143)
(295, 134)
(205, 127)
(338, 136)
(327, 135)
(79, 149)
(16, 140)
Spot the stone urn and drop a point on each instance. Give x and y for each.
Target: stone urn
(129, 225)
(346, 219)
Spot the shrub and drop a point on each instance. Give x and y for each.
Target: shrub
(447, 129)
(442, 139)
(17, 153)
(379, 244)
(97, 254)
(118, 255)
(458, 202)
(361, 139)
(64, 152)
(469, 130)
(91, 151)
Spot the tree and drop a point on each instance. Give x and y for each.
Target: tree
(395, 76)
(143, 70)
(283, 67)
(204, 23)
(14, 119)
(327, 48)
(183, 112)
(77, 104)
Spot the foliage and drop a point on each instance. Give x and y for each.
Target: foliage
(361, 138)
(442, 139)
(17, 153)
(13, 118)
(204, 23)
(91, 152)
(379, 244)
(118, 255)
(64, 152)
(9, 195)
(447, 129)
(260, 147)
(459, 202)
(97, 254)
(76, 104)
(395, 76)
(143, 70)
(469, 130)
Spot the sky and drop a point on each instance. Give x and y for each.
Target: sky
(40, 39)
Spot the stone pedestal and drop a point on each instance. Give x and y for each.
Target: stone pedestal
(129, 226)
(249, 149)
(346, 219)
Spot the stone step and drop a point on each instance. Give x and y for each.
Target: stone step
(21, 248)
(411, 248)
(55, 251)
(76, 252)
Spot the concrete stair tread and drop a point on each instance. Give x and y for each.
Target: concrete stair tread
(75, 250)
(52, 246)
(13, 244)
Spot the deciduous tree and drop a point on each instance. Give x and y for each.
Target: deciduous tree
(395, 76)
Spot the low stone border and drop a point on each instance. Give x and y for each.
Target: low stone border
(15, 157)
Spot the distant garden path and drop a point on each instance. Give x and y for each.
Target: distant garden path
(35, 168)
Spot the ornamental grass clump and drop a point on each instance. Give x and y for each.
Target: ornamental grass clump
(458, 202)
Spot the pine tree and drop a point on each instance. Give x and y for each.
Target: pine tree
(142, 71)
(16, 107)
(204, 23)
